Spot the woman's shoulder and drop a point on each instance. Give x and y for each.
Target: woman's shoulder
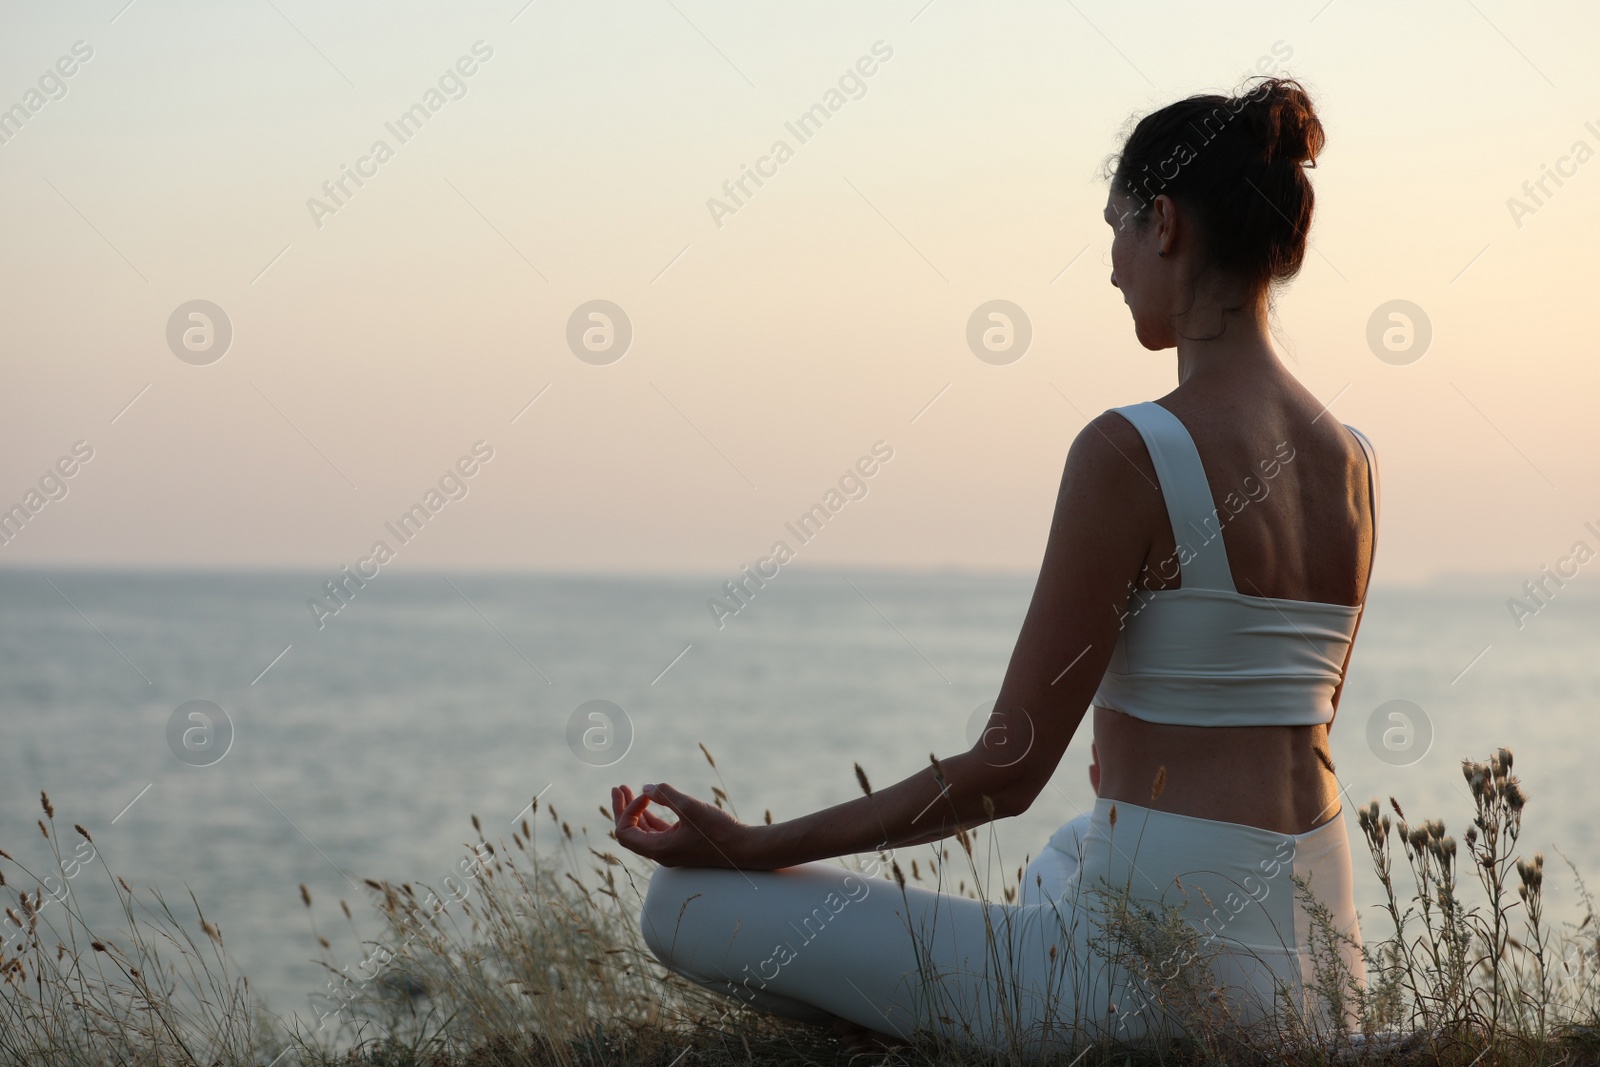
(1109, 457)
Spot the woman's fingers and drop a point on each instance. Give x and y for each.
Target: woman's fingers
(626, 808)
(634, 809)
(629, 809)
(641, 831)
(670, 798)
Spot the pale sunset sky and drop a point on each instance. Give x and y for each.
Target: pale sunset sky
(376, 338)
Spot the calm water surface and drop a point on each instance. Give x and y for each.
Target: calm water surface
(365, 748)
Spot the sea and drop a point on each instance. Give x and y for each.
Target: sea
(220, 738)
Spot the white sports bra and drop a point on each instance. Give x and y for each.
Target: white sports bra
(1205, 654)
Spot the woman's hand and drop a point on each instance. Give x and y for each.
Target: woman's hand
(703, 836)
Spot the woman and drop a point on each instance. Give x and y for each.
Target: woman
(1214, 665)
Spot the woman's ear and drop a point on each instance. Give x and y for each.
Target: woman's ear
(1165, 223)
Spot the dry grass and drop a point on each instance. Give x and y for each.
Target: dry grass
(531, 955)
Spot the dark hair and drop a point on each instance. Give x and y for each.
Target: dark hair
(1235, 163)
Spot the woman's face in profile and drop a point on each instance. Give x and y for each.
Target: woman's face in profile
(1134, 271)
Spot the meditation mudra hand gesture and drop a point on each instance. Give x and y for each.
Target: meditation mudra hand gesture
(703, 836)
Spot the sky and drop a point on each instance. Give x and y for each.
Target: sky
(384, 337)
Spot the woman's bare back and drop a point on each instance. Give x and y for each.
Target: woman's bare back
(1304, 533)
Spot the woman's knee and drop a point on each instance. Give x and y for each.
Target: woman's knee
(661, 914)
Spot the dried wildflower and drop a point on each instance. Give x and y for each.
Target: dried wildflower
(78, 826)
(707, 753)
(97, 946)
(899, 877)
(861, 777)
(988, 806)
(1531, 874)
(305, 894)
(938, 769)
(44, 802)
(43, 831)
(476, 825)
(1113, 817)
(346, 909)
(1396, 805)
(1159, 784)
(768, 816)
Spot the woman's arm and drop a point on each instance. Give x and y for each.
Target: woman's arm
(1099, 538)
(1372, 558)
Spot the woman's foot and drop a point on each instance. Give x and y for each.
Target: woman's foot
(860, 1041)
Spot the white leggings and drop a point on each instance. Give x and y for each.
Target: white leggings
(819, 940)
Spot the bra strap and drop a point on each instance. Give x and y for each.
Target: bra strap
(1196, 522)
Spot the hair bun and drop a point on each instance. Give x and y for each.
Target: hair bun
(1284, 122)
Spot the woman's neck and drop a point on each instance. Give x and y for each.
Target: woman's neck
(1241, 351)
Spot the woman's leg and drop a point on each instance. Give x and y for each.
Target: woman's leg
(818, 941)
(1046, 878)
